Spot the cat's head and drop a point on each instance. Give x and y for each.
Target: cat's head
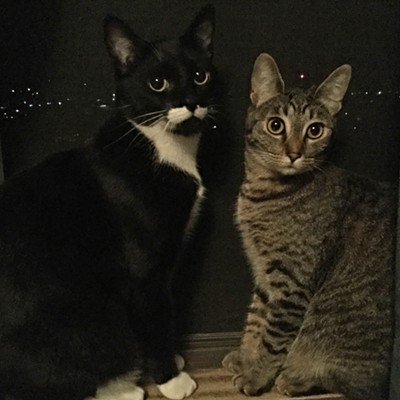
(289, 132)
(167, 83)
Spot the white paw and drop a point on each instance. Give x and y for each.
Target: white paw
(180, 362)
(121, 388)
(134, 394)
(179, 387)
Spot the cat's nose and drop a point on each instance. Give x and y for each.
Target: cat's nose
(191, 106)
(293, 156)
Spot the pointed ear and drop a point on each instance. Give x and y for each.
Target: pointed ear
(200, 32)
(332, 90)
(266, 80)
(122, 44)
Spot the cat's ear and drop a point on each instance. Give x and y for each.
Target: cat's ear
(266, 80)
(122, 44)
(201, 31)
(332, 90)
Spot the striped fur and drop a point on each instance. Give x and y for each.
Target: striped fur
(320, 243)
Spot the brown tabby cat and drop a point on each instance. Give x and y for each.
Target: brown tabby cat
(320, 242)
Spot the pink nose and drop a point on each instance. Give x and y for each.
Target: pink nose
(294, 156)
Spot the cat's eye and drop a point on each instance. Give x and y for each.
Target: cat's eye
(158, 84)
(315, 130)
(201, 77)
(276, 126)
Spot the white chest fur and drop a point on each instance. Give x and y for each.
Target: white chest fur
(180, 152)
(176, 150)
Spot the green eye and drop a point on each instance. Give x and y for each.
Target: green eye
(276, 126)
(201, 77)
(158, 84)
(315, 130)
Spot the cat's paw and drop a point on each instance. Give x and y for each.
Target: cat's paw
(291, 385)
(135, 393)
(180, 362)
(179, 387)
(232, 362)
(252, 384)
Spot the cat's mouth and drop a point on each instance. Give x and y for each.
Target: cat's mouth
(190, 126)
(183, 121)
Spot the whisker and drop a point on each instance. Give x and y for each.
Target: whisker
(157, 121)
(148, 114)
(120, 138)
(121, 107)
(157, 118)
(137, 137)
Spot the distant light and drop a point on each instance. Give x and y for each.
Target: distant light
(59, 103)
(379, 93)
(29, 89)
(16, 110)
(12, 91)
(30, 105)
(302, 76)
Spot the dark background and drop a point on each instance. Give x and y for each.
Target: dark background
(57, 90)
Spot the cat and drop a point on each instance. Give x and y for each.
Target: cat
(89, 237)
(320, 243)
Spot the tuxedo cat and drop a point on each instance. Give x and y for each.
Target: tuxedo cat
(88, 238)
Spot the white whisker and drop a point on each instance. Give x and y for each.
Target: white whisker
(120, 138)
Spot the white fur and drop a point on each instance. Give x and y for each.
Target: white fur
(179, 387)
(180, 114)
(180, 362)
(176, 150)
(121, 388)
(195, 211)
(200, 112)
(173, 149)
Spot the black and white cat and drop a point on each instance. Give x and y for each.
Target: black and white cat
(88, 238)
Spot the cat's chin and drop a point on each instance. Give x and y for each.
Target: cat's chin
(292, 171)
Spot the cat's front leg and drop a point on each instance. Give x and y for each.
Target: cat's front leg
(255, 365)
(156, 337)
(272, 324)
(179, 386)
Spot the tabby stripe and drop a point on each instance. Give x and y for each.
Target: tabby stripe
(257, 311)
(294, 105)
(271, 350)
(296, 293)
(287, 304)
(279, 285)
(284, 326)
(277, 334)
(304, 108)
(261, 295)
(275, 266)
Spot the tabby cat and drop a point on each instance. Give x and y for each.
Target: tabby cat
(320, 242)
(88, 238)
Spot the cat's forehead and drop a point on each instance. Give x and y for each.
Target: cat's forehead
(174, 52)
(294, 104)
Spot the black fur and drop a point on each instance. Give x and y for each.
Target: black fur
(89, 237)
